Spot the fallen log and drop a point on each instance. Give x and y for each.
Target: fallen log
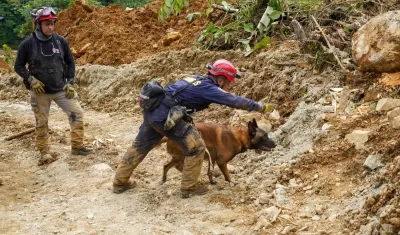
(22, 133)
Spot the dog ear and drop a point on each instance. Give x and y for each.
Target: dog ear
(252, 129)
(255, 123)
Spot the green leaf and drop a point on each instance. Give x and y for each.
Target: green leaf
(275, 4)
(169, 3)
(275, 15)
(249, 27)
(227, 37)
(269, 10)
(190, 17)
(245, 43)
(186, 3)
(263, 43)
(265, 21)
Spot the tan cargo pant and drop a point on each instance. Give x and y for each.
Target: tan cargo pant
(149, 136)
(41, 108)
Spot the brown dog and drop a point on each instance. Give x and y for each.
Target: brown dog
(223, 144)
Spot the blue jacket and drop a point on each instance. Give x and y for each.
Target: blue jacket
(199, 95)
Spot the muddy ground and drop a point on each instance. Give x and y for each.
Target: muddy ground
(314, 182)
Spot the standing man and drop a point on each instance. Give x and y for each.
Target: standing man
(194, 92)
(50, 77)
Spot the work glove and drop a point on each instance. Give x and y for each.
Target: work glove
(69, 91)
(36, 85)
(264, 107)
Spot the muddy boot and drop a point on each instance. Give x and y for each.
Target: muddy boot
(46, 158)
(130, 161)
(190, 177)
(124, 187)
(198, 190)
(81, 151)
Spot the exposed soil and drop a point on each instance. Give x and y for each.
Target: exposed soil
(314, 182)
(114, 36)
(4, 67)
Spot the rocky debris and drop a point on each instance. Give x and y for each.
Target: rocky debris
(171, 37)
(375, 46)
(386, 104)
(358, 138)
(393, 113)
(373, 162)
(392, 106)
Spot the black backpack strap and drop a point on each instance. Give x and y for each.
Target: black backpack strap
(35, 52)
(170, 98)
(61, 49)
(33, 62)
(190, 81)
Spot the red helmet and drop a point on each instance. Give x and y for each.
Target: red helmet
(44, 13)
(224, 68)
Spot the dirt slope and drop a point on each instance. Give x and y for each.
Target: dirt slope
(113, 36)
(314, 182)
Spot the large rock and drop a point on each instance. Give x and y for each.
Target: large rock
(358, 138)
(376, 45)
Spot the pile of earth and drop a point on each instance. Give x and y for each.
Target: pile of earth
(115, 36)
(271, 76)
(4, 66)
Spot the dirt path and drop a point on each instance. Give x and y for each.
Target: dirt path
(72, 195)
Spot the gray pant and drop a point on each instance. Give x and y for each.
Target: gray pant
(41, 108)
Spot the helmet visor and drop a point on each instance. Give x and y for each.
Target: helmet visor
(47, 11)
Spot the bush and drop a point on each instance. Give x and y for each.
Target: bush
(8, 55)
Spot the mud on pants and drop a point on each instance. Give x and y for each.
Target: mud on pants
(149, 136)
(41, 108)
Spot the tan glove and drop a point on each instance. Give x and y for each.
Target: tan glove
(36, 85)
(69, 91)
(264, 107)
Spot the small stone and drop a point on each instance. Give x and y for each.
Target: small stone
(315, 218)
(309, 187)
(90, 216)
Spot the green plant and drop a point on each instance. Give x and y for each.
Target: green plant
(212, 33)
(190, 17)
(9, 55)
(267, 20)
(171, 7)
